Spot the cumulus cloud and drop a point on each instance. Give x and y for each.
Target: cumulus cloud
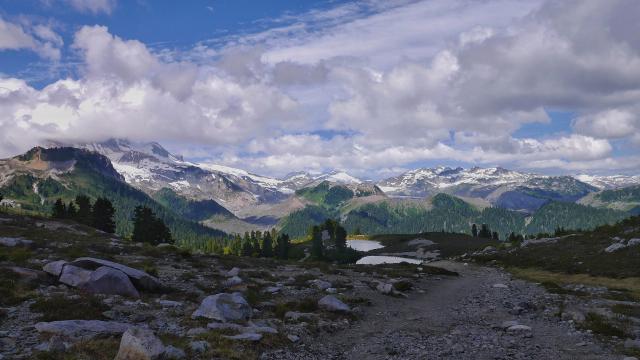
(372, 90)
(93, 6)
(39, 38)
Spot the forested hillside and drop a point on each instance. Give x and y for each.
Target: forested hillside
(91, 174)
(451, 214)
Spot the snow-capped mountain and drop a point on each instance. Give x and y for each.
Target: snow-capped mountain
(301, 179)
(609, 182)
(426, 181)
(499, 186)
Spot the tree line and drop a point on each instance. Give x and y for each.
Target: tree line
(147, 227)
(267, 244)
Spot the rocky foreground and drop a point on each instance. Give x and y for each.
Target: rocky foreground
(71, 292)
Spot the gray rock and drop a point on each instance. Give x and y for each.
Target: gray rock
(500, 286)
(293, 338)
(233, 272)
(173, 353)
(12, 242)
(383, 288)
(245, 337)
(74, 276)
(169, 303)
(331, 303)
(224, 307)
(54, 268)
(232, 281)
(196, 331)
(83, 329)
(632, 343)
(107, 280)
(139, 344)
(518, 328)
(225, 326)
(140, 279)
(199, 346)
(320, 284)
(297, 316)
(615, 247)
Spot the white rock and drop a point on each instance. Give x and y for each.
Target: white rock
(331, 303)
(615, 247)
(224, 307)
(293, 338)
(232, 281)
(54, 268)
(84, 329)
(169, 303)
(173, 353)
(141, 279)
(107, 280)
(11, 242)
(233, 272)
(74, 276)
(199, 346)
(139, 344)
(245, 337)
(500, 286)
(385, 288)
(518, 328)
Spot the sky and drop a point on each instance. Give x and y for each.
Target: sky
(372, 87)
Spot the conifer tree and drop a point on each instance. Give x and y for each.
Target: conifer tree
(59, 210)
(147, 228)
(282, 246)
(267, 245)
(341, 237)
(474, 230)
(495, 236)
(317, 248)
(102, 215)
(83, 215)
(72, 211)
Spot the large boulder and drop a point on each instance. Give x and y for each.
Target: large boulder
(140, 344)
(331, 303)
(224, 307)
(140, 279)
(106, 280)
(82, 329)
(54, 268)
(74, 276)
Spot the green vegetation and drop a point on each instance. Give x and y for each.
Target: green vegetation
(327, 195)
(190, 209)
(99, 215)
(147, 228)
(453, 215)
(93, 176)
(58, 307)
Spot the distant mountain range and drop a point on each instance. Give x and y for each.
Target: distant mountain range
(235, 200)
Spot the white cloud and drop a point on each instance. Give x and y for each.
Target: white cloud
(39, 38)
(93, 6)
(370, 88)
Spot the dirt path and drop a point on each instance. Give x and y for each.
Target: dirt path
(459, 318)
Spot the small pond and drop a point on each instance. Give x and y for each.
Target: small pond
(364, 245)
(376, 260)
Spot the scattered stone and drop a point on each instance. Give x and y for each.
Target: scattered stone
(12, 242)
(331, 303)
(320, 284)
(500, 286)
(83, 329)
(199, 346)
(233, 272)
(518, 328)
(615, 247)
(384, 288)
(54, 268)
(245, 337)
(224, 307)
(272, 289)
(293, 338)
(107, 280)
(196, 331)
(331, 291)
(139, 344)
(232, 281)
(140, 279)
(299, 316)
(169, 303)
(632, 343)
(74, 276)
(173, 353)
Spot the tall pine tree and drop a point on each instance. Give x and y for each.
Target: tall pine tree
(102, 215)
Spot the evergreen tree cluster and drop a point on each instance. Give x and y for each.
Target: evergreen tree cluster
(265, 244)
(99, 215)
(148, 228)
(329, 242)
